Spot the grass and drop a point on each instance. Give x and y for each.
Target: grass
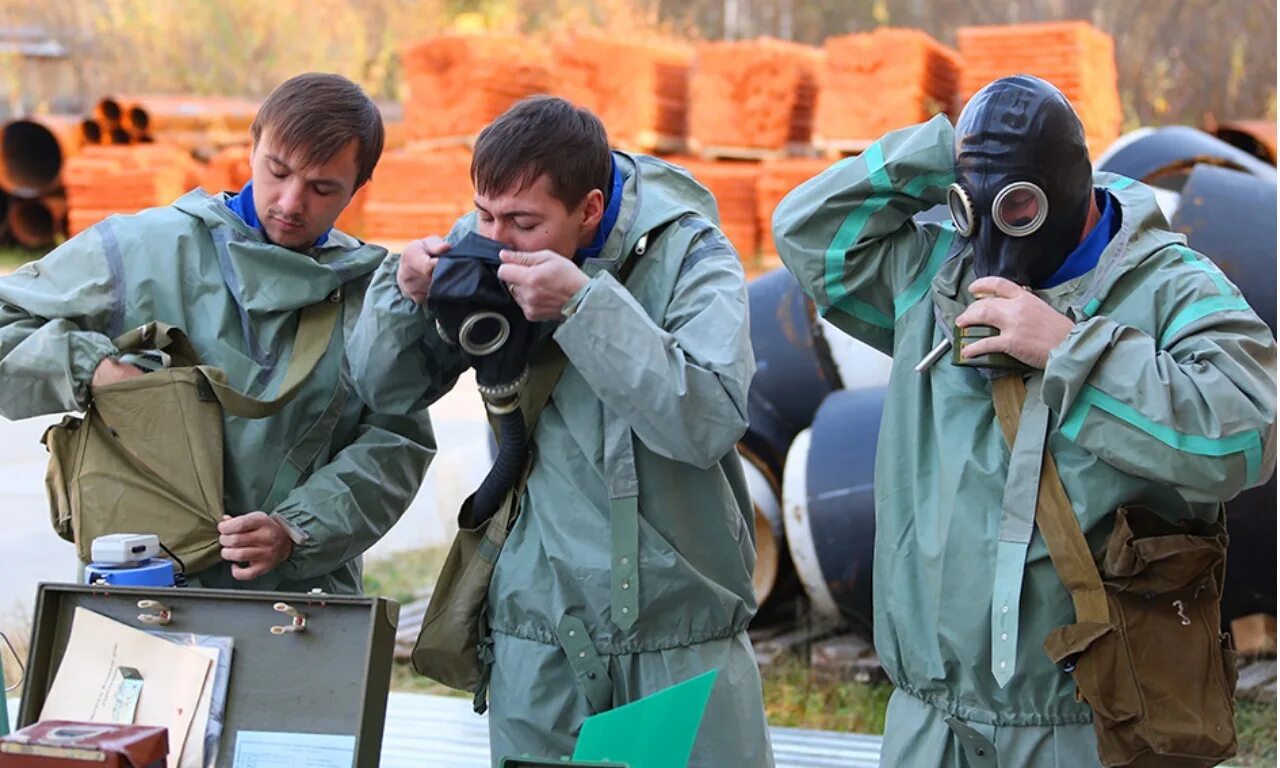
(1256, 731)
(405, 575)
(794, 698)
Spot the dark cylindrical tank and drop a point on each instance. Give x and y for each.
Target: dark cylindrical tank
(829, 505)
(794, 369)
(1164, 157)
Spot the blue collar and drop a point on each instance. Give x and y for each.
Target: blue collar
(1085, 256)
(611, 208)
(242, 206)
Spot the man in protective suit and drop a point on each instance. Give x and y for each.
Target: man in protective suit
(309, 489)
(629, 567)
(1150, 379)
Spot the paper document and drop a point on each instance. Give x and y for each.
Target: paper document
(657, 731)
(192, 755)
(213, 702)
(271, 749)
(88, 679)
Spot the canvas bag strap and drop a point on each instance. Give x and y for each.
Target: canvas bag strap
(1055, 518)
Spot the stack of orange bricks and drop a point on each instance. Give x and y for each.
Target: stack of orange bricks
(459, 84)
(778, 177)
(753, 94)
(415, 193)
(104, 180)
(227, 171)
(733, 183)
(874, 82)
(638, 88)
(1073, 55)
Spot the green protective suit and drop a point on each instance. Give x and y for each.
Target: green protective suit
(652, 403)
(1163, 394)
(196, 265)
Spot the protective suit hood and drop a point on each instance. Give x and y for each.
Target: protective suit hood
(1023, 179)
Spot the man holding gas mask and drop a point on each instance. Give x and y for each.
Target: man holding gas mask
(628, 568)
(1142, 377)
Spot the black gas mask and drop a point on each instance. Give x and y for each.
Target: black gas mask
(474, 311)
(1023, 179)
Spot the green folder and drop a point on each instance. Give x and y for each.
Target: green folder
(657, 731)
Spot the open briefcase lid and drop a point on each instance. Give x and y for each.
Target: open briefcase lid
(327, 679)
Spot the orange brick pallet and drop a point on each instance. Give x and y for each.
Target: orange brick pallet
(459, 83)
(874, 82)
(753, 94)
(777, 178)
(639, 88)
(733, 184)
(1073, 55)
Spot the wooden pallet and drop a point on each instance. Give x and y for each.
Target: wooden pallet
(757, 154)
(835, 149)
(651, 143)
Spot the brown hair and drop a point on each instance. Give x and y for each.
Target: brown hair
(315, 114)
(543, 135)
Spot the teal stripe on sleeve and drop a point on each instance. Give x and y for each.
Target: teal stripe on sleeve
(852, 226)
(1198, 311)
(1247, 443)
(920, 286)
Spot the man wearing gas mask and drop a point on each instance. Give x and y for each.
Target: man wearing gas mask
(629, 566)
(1147, 376)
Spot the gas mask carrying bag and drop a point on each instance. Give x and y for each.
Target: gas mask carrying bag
(1146, 649)
(147, 454)
(517, 367)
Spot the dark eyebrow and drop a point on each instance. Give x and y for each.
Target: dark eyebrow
(328, 181)
(509, 214)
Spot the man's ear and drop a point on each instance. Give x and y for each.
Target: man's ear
(592, 210)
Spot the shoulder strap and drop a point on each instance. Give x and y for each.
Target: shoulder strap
(316, 327)
(1057, 522)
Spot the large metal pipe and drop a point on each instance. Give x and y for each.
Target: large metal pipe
(33, 151)
(154, 114)
(1257, 137)
(794, 369)
(109, 112)
(770, 543)
(90, 131)
(38, 223)
(1164, 157)
(828, 504)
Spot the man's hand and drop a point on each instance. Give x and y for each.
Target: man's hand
(255, 542)
(110, 371)
(417, 264)
(541, 282)
(1029, 328)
